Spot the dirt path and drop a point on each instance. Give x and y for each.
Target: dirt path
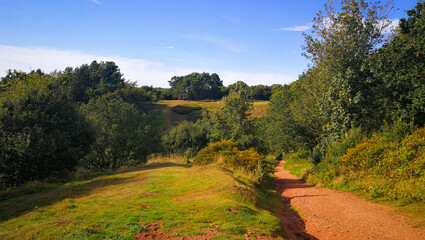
(329, 214)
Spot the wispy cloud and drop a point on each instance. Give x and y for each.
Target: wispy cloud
(297, 28)
(143, 71)
(168, 47)
(95, 1)
(223, 43)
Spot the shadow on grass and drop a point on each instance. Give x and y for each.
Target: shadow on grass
(19, 205)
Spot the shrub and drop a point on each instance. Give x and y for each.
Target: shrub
(184, 136)
(389, 170)
(230, 156)
(210, 154)
(124, 136)
(41, 131)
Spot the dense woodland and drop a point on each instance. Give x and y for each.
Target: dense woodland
(365, 84)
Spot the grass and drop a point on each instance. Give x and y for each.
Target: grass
(183, 200)
(298, 165)
(175, 111)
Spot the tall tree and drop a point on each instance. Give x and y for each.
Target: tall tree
(93, 80)
(232, 123)
(342, 39)
(400, 67)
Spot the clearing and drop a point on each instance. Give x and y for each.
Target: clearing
(175, 111)
(329, 214)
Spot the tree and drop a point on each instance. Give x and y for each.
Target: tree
(196, 86)
(339, 47)
(399, 66)
(41, 131)
(96, 79)
(232, 123)
(283, 132)
(123, 135)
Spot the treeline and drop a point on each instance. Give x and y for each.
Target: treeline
(89, 117)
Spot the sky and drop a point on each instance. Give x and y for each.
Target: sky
(258, 42)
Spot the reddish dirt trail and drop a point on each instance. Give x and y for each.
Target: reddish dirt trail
(329, 214)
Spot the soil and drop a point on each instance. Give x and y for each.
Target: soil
(327, 214)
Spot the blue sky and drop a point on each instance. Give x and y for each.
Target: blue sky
(258, 42)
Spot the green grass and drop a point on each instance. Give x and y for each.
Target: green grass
(184, 200)
(298, 164)
(175, 111)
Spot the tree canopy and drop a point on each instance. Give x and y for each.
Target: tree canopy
(196, 86)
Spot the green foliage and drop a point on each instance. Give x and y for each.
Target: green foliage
(339, 46)
(209, 154)
(395, 132)
(96, 79)
(124, 136)
(196, 86)
(186, 135)
(399, 67)
(232, 123)
(227, 154)
(388, 170)
(41, 131)
(291, 122)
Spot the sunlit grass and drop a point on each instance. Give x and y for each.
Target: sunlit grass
(186, 200)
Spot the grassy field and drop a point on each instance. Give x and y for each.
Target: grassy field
(159, 201)
(175, 111)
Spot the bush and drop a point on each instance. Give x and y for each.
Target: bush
(184, 136)
(389, 170)
(41, 131)
(124, 136)
(210, 154)
(226, 153)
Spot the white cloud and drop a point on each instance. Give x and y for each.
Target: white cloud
(143, 71)
(392, 26)
(168, 47)
(95, 1)
(29, 58)
(297, 28)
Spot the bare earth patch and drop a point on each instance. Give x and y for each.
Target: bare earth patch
(329, 214)
(62, 222)
(143, 205)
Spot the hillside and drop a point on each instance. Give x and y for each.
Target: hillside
(175, 111)
(158, 201)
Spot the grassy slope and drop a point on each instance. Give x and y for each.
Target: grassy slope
(171, 118)
(183, 200)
